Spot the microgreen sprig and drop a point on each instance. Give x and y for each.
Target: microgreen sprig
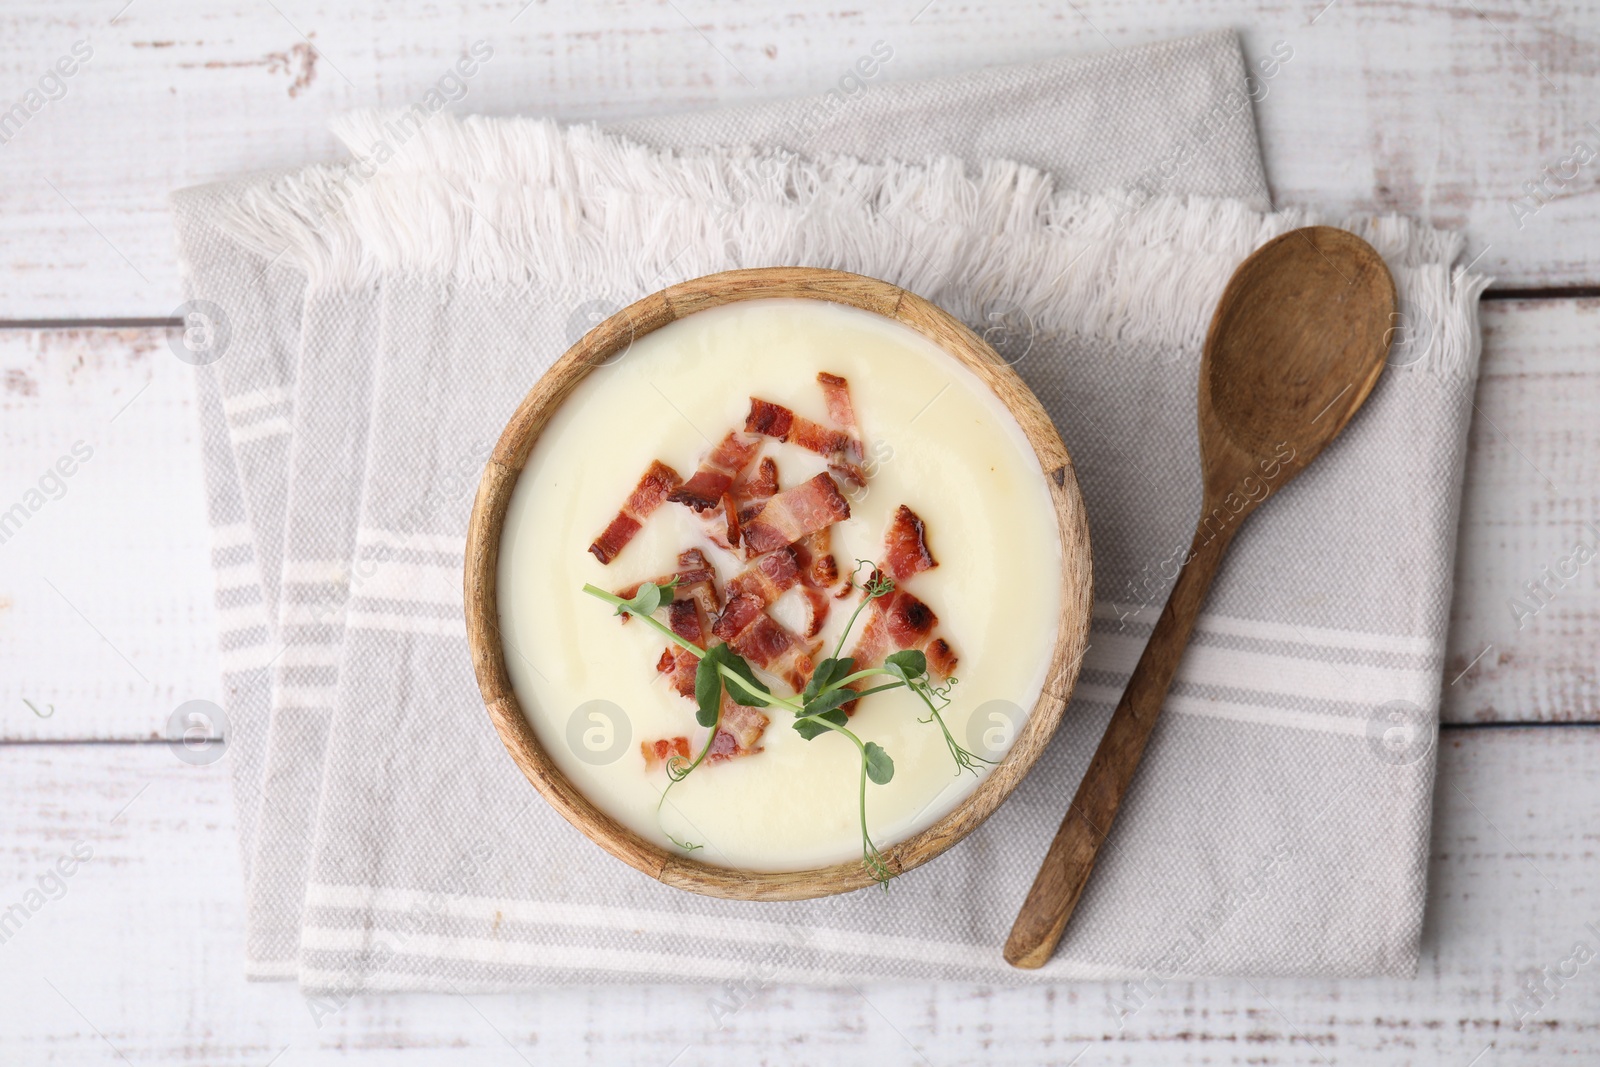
(818, 708)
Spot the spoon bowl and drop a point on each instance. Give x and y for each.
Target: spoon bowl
(1294, 349)
(1296, 345)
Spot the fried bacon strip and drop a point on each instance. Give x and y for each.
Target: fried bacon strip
(722, 524)
(814, 554)
(775, 420)
(742, 500)
(752, 493)
(808, 562)
(819, 572)
(836, 394)
(747, 628)
(904, 622)
(793, 513)
(696, 581)
(817, 607)
(900, 621)
(906, 545)
(686, 620)
(739, 732)
(680, 664)
(843, 452)
(905, 555)
(657, 753)
(657, 485)
(767, 577)
(695, 602)
(710, 483)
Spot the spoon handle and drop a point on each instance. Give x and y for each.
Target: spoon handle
(1066, 867)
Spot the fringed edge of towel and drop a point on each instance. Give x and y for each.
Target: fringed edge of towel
(518, 203)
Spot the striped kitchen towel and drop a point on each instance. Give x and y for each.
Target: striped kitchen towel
(386, 318)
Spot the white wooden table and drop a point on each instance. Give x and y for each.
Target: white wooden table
(1441, 110)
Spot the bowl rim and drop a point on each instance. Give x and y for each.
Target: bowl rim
(604, 343)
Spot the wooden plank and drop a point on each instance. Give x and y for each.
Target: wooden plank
(1429, 109)
(106, 616)
(1532, 498)
(141, 953)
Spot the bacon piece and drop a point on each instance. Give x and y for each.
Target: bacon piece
(941, 658)
(739, 732)
(814, 554)
(895, 622)
(909, 621)
(872, 643)
(657, 753)
(762, 483)
(684, 618)
(722, 523)
(709, 484)
(768, 419)
(849, 472)
(817, 607)
(818, 573)
(836, 394)
(809, 561)
(767, 577)
(747, 628)
(774, 420)
(792, 514)
(688, 619)
(906, 545)
(695, 602)
(752, 494)
(680, 664)
(900, 621)
(657, 485)
(696, 581)
(742, 500)
(731, 527)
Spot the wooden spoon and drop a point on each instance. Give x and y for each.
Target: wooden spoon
(1296, 345)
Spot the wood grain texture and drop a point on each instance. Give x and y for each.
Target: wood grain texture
(598, 347)
(106, 616)
(1296, 344)
(145, 948)
(1442, 111)
(1532, 496)
(1439, 110)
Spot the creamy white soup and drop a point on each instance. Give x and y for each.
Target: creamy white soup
(932, 440)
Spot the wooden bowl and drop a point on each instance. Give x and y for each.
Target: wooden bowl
(613, 336)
